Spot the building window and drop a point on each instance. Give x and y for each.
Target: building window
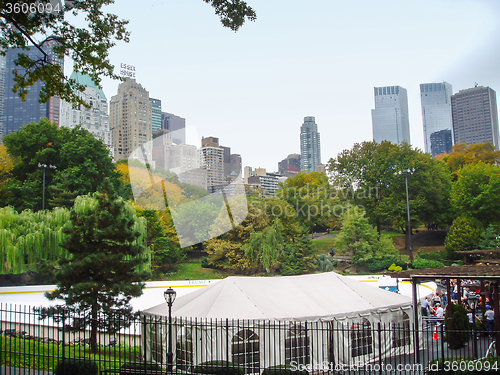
(297, 345)
(401, 330)
(245, 349)
(184, 349)
(361, 339)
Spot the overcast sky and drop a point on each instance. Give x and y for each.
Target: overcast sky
(319, 58)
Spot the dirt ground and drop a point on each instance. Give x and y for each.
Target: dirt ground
(431, 240)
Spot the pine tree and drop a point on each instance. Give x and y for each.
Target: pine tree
(102, 274)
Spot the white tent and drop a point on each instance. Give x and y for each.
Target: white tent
(267, 321)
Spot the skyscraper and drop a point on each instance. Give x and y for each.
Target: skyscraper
(95, 119)
(390, 117)
(310, 150)
(289, 166)
(130, 116)
(175, 124)
(17, 113)
(211, 157)
(156, 114)
(475, 116)
(435, 99)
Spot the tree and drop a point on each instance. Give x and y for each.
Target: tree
(476, 191)
(466, 233)
(312, 198)
(461, 155)
(33, 22)
(82, 163)
(6, 166)
(104, 270)
(369, 176)
(264, 247)
(360, 240)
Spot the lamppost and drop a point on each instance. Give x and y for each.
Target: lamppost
(473, 300)
(406, 172)
(169, 295)
(44, 167)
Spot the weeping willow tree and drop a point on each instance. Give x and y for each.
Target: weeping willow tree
(29, 239)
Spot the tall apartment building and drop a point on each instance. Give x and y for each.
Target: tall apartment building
(390, 121)
(182, 159)
(475, 116)
(95, 119)
(211, 158)
(130, 117)
(268, 182)
(310, 149)
(175, 124)
(155, 114)
(290, 166)
(17, 113)
(435, 99)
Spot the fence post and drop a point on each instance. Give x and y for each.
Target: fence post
(227, 343)
(380, 348)
(64, 341)
(442, 344)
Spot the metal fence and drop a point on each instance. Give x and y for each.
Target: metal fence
(155, 345)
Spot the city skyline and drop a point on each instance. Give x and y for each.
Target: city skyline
(320, 58)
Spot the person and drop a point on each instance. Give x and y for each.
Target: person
(425, 307)
(436, 299)
(332, 252)
(490, 320)
(439, 313)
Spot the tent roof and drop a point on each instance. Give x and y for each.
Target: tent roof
(289, 297)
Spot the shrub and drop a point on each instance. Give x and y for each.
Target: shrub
(378, 263)
(457, 326)
(283, 370)
(77, 366)
(218, 368)
(139, 366)
(465, 234)
(204, 262)
(394, 268)
(421, 263)
(324, 265)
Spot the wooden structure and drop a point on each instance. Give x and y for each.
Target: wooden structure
(488, 277)
(475, 256)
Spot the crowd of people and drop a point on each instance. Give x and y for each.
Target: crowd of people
(433, 307)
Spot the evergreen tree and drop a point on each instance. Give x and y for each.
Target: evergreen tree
(104, 270)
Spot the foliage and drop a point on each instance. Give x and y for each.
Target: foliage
(269, 237)
(475, 192)
(394, 268)
(359, 239)
(219, 368)
(264, 247)
(106, 268)
(6, 167)
(312, 198)
(30, 240)
(21, 29)
(457, 326)
(82, 163)
(77, 366)
(324, 264)
(421, 263)
(491, 238)
(462, 155)
(465, 234)
(369, 175)
(377, 264)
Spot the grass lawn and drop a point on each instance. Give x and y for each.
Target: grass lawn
(193, 270)
(33, 354)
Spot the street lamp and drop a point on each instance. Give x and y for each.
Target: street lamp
(409, 245)
(473, 301)
(170, 295)
(44, 167)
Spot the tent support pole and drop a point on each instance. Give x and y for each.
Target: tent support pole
(415, 319)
